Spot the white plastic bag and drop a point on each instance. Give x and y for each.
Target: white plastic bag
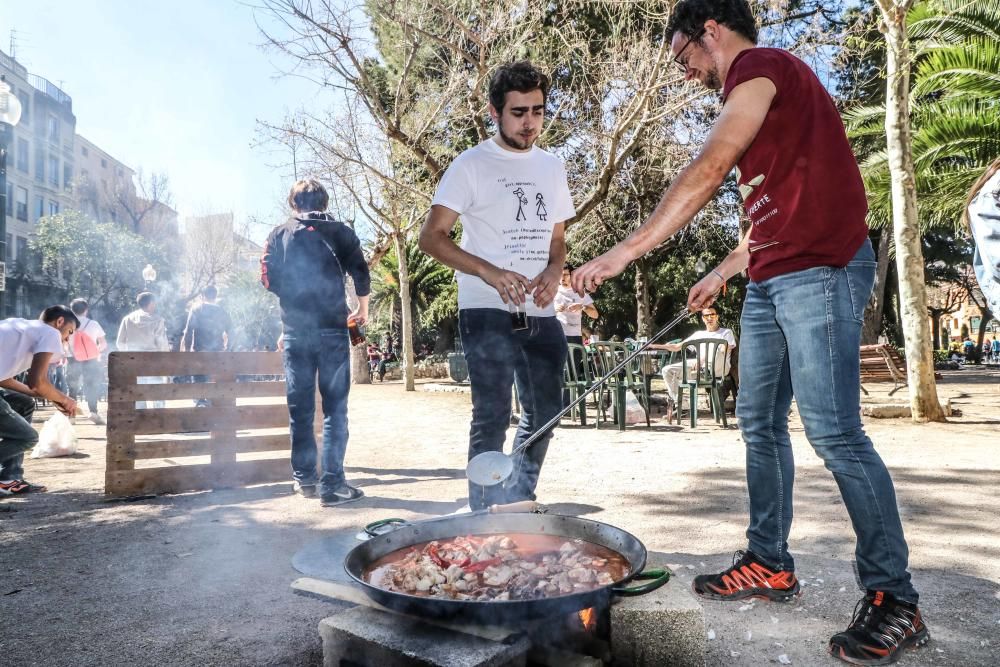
(634, 412)
(57, 438)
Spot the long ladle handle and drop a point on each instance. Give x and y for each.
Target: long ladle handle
(683, 315)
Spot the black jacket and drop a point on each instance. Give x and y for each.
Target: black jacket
(304, 263)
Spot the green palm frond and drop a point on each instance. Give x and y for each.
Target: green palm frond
(971, 68)
(954, 21)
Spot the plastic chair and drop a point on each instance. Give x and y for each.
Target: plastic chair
(707, 369)
(578, 377)
(628, 379)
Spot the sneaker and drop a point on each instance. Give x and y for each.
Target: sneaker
(747, 578)
(305, 490)
(18, 486)
(881, 628)
(345, 493)
(95, 418)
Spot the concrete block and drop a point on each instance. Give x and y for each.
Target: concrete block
(665, 627)
(369, 637)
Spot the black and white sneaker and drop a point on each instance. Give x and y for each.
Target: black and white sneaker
(304, 490)
(881, 629)
(345, 493)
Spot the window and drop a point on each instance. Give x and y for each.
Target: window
(53, 208)
(22, 249)
(84, 151)
(10, 249)
(54, 171)
(25, 99)
(21, 204)
(10, 199)
(39, 207)
(67, 176)
(104, 163)
(22, 155)
(39, 164)
(84, 175)
(53, 128)
(119, 172)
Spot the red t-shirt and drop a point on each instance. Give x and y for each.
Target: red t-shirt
(799, 180)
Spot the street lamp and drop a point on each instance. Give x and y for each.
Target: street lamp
(149, 275)
(10, 114)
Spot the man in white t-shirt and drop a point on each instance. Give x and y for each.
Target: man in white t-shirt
(571, 307)
(513, 198)
(88, 368)
(28, 345)
(672, 372)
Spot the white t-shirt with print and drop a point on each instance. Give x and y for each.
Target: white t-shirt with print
(572, 322)
(509, 202)
(21, 340)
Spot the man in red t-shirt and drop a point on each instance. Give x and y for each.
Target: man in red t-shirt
(811, 269)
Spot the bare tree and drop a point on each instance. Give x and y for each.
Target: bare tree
(924, 402)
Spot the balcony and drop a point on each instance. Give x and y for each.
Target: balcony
(50, 89)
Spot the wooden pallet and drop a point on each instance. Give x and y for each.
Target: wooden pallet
(167, 433)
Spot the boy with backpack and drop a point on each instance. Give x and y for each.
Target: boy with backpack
(304, 263)
(86, 346)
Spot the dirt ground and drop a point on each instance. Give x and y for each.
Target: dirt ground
(203, 578)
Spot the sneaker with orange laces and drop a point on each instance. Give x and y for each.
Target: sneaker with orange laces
(882, 628)
(747, 578)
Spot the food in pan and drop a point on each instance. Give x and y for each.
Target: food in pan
(498, 567)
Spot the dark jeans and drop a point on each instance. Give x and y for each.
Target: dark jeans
(324, 354)
(498, 357)
(800, 337)
(16, 434)
(91, 375)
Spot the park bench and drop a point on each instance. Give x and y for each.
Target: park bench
(882, 363)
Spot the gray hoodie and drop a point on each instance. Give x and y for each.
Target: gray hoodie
(142, 332)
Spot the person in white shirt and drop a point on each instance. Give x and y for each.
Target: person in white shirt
(143, 330)
(88, 368)
(672, 372)
(513, 198)
(28, 345)
(571, 307)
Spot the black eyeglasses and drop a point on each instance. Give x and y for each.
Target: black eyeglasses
(677, 59)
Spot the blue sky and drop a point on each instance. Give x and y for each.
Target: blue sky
(172, 86)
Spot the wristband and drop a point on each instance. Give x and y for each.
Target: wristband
(722, 279)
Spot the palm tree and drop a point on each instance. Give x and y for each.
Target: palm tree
(955, 110)
(427, 277)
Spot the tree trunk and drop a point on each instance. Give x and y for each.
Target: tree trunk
(643, 317)
(936, 329)
(924, 403)
(872, 328)
(359, 354)
(406, 313)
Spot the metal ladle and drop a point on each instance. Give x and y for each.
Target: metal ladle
(492, 468)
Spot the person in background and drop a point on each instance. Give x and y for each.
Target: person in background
(305, 263)
(143, 330)
(672, 372)
(982, 215)
(28, 345)
(207, 330)
(571, 307)
(87, 346)
(812, 269)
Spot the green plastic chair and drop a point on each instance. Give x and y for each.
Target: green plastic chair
(578, 377)
(628, 379)
(696, 374)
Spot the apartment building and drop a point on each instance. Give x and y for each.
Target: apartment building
(40, 174)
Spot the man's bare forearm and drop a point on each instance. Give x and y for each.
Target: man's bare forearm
(693, 188)
(736, 261)
(19, 387)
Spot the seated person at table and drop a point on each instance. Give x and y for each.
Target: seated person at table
(672, 372)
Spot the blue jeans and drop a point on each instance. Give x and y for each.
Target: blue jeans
(498, 357)
(324, 354)
(16, 434)
(801, 336)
